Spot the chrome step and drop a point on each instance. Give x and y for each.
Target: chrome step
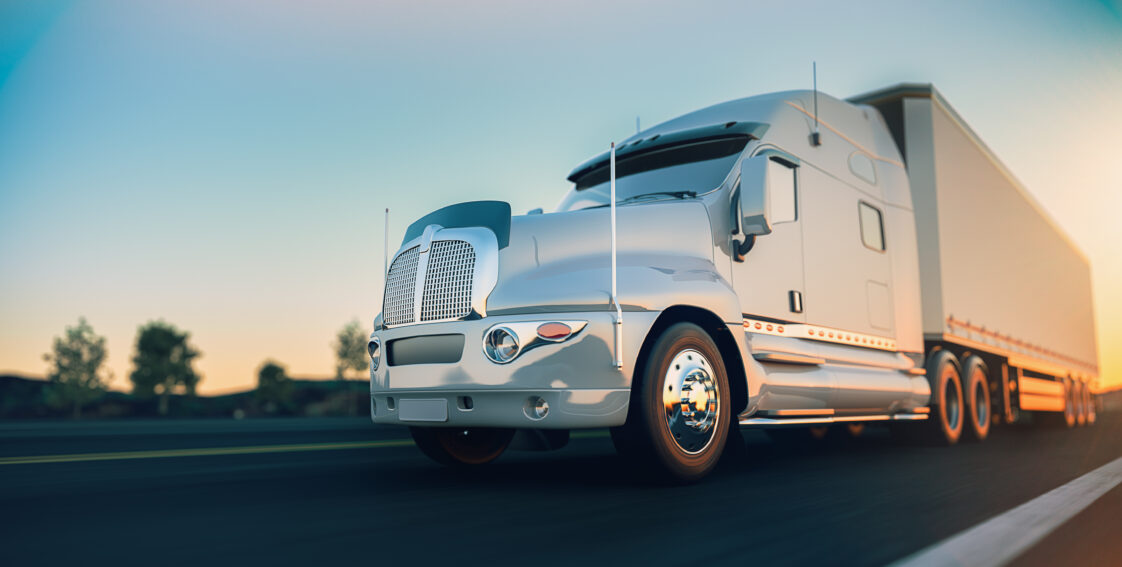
(828, 419)
(789, 358)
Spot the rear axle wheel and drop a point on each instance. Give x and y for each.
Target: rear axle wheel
(976, 394)
(947, 416)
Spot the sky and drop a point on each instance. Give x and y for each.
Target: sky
(224, 165)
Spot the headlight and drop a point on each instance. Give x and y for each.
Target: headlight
(374, 348)
(501, 345)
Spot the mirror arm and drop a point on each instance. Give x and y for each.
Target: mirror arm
(743, 248)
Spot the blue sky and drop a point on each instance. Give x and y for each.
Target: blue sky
(224, 165)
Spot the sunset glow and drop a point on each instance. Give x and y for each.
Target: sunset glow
(225, 166)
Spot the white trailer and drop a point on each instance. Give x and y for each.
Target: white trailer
(997, 275)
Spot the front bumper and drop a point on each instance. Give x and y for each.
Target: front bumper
(568, 409)
(577, 379)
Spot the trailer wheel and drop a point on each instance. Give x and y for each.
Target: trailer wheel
(946, 422)
(1080, 403)
(977, 397)
(1089, 404)
(1070, 418)
(459, 446)
(681, 420)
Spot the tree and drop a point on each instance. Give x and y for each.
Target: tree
(75, 368)
(350, 350)
(163, 363)
(274, 387)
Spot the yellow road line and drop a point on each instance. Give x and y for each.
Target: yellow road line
(207, 452)
(218, 451)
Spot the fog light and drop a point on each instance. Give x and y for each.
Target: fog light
(536, 408)
(501, 345)
(374, 349)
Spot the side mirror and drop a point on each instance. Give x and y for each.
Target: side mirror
(754, 193)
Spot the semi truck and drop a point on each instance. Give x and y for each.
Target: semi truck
(789, 261)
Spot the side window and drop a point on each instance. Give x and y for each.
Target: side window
(872, 226)
(781, 191)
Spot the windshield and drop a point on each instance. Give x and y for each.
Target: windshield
(696, 167)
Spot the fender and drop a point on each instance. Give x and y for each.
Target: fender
(557, 264)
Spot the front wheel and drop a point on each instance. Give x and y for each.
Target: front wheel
(681, 407)
(460, 446)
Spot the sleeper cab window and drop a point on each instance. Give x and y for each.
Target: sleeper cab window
(781, 191)
(872, 226)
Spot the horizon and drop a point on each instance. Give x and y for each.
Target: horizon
(236, 389)
(225, 167)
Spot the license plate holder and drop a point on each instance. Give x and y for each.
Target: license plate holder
(423, 410)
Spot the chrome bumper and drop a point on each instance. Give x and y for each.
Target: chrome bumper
(576, 379)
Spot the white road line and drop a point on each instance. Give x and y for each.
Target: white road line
(1001, 539)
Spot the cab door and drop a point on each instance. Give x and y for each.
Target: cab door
(768, 278)
(847, 271)
(849, 292)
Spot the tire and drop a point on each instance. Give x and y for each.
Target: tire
(462, 447)
(680, 414)
(1092, 411)
(976, 394)
(1080, 403)
(946, 423)
(1070, 416)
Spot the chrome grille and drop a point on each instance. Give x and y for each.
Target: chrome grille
(401, 287)
(448, 280)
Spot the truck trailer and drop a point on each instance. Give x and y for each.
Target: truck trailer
(788, 261)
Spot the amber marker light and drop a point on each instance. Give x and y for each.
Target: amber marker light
(554, 331)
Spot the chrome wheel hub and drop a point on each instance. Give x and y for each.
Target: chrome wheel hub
(692, 401)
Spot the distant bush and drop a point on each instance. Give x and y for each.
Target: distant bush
(75, 373)
(350, 350)
(164, 364)
(274, 388)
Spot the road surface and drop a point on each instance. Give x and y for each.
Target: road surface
(329, 491)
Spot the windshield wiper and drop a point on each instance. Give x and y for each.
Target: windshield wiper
(675, 194)
(640, 196)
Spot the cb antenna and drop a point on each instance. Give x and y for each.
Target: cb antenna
(636, 123)
(815, 137)
(618, 322)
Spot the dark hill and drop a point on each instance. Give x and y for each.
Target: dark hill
(24, 397)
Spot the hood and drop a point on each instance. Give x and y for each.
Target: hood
(563, 260)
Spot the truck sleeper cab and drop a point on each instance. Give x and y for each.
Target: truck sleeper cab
(766, 278)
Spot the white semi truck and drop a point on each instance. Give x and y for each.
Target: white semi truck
(788, 261)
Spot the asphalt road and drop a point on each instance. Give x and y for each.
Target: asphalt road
(345, 491)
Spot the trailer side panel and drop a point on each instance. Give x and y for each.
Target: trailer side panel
(998, 269)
